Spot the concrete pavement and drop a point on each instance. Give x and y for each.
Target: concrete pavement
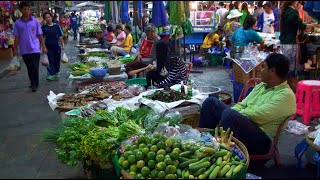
(24, 115)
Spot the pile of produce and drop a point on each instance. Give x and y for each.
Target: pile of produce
(110, 86)
(78, 100)
(85, 66)
(92, 27)
(95, 139)
(167, 96)
(79, 69)
(163, 157)
(125, 60)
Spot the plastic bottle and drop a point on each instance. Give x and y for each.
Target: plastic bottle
(189, 88)
(182, 90)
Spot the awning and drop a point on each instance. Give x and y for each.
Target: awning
(57, 6)
(72, 9)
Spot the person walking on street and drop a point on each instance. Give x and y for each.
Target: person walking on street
(257, 12)
(52, 34)
(74, 25)
(28, 35)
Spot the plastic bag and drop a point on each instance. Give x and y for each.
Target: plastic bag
(297, 128)
(151, 122)
(191, 135)
(45, 60)
(167, 130)
(64, 57)
(252, 176)
(15, 64)
(136, 89)
(125, 93)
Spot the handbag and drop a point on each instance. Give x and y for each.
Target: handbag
(145, 49)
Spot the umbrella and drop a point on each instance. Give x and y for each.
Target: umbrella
(179, 14)
(135, 17)
(159, 14)
(107, 10)
(124, 12)
(115, 12)
(140, 8)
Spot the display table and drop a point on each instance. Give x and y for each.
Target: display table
(121, 77)
(6, 53)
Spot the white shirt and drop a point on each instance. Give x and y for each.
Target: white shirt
(222, 14)
(267, 19)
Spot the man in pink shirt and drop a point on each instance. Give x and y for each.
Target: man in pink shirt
(28, 35)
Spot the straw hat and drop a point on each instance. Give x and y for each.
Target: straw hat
(234, 13)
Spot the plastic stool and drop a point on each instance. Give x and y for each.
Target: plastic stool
(307, 97)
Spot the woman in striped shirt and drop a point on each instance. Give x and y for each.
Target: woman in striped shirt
(174, 65)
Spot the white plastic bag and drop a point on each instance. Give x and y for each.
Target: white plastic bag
(297, 128)
(15, 64)
(45, 60)
(64, 57)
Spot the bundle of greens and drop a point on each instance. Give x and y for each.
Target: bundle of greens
(168, 96)
(125, 60)
(129, 128)
(68, 150)
(99, 145)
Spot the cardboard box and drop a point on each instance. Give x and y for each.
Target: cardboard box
(6, 54)
(242, 77)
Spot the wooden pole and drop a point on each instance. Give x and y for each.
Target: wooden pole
(38, 4)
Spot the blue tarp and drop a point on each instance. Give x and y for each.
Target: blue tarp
(159, 17)
(124, 12)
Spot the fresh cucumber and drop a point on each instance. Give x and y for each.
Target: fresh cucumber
(186, 164)
(207, 173)
(199, 166)
(199, 162)
(220, 153)
(186, 154)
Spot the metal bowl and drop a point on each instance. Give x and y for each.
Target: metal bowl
(237, 49)
(210, 90)
(314, 38)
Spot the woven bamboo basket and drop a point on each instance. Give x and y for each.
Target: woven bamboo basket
(191, 119)
(310, 142)
(239, 145)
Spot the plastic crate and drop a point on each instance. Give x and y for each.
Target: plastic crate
(215, 59)
(237, 88)
(140, 81)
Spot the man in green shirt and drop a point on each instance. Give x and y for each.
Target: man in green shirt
(255, 120)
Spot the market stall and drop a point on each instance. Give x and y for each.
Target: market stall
(114, 139)
(6, 33)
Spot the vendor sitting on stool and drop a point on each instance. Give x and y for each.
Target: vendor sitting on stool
(102, 35)
(174, 65)
(145, 53)
(255, 120)
(212, 39)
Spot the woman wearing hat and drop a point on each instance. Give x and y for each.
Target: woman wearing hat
(231, 26)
